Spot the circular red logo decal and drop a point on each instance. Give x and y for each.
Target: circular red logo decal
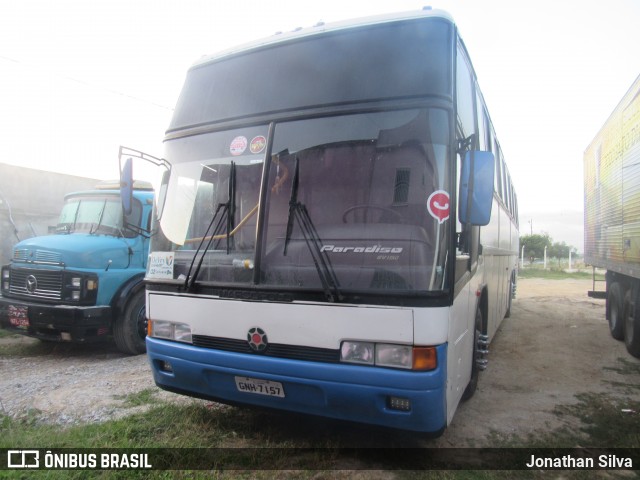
(257, 144)
(438, 205)
(238, 145)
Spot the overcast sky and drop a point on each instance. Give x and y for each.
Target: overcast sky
(80, 78)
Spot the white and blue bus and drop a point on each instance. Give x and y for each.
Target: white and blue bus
(337, 234)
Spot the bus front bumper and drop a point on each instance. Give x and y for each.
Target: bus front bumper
(342, 391)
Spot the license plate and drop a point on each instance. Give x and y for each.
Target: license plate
(261, 387)
(19, 316)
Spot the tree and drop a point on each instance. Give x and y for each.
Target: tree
(561, 250)
(534, 245)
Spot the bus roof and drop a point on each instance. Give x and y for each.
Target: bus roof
(321, 27)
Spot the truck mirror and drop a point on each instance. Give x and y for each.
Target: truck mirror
(476, 188)
(126, 186)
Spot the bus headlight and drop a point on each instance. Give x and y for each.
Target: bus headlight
(398, 356)
(357, 352)
(179, 332)
(389, 355)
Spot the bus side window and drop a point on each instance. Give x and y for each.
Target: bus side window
(467, 252)
(498, 177)
(482, 124)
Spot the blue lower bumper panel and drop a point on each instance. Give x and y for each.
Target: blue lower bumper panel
(342, 391)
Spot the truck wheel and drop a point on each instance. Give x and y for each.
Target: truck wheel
(130, 329)
(616, 311)
(475, 369)
(631, 327)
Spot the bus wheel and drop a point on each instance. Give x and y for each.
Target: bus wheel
(476, 359)
(510, 289)
(631, 327)
(616, 311)
(130, 329)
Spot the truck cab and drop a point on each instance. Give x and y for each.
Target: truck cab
(83, 282)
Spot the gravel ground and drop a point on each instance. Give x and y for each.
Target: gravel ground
(65, 384)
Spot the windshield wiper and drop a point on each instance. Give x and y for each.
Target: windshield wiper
(299, 211)
(227, 208)
(97, 225)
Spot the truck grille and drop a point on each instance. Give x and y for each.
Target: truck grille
(37, 256)
(36, 283)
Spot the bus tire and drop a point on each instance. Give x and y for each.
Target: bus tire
(631, 326)
(129, 330)
(472, 386)
(616, 311)
(510, 286)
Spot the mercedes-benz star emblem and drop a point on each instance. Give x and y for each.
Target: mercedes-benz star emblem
(32, 284)
(257, 339)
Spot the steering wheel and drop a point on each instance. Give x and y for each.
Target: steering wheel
(365, 206)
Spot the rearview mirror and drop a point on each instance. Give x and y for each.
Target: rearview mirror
(476, 188)
(126, 186)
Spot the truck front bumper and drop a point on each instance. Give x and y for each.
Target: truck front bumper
(58, 323)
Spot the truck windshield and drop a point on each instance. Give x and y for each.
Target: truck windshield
(346, 204)
(94, 214)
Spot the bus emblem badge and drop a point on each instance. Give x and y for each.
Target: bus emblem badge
(257, 339)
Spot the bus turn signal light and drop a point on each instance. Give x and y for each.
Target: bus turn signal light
(424, 358)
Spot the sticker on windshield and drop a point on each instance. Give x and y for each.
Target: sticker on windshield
(258, 144)
(238, 145)
(160, 265)
(438, 205)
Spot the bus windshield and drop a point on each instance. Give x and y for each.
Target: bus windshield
(346, 204)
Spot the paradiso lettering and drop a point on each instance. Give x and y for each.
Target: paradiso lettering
(373, 249)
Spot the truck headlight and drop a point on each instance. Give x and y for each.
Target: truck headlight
(6, 278)
(179, 332)
(80, 288)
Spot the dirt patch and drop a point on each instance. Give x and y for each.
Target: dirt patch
(555, 345)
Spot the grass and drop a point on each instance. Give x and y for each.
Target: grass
(251, 439)
(555, 274)
(143, 397)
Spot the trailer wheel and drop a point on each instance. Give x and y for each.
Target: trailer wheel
(475, 368)
(616, 311)
(631, 327)
(130, 329)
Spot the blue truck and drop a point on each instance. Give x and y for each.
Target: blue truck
(84, 283)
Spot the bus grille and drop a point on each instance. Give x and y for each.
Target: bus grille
(47, 284)
(293, 352)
